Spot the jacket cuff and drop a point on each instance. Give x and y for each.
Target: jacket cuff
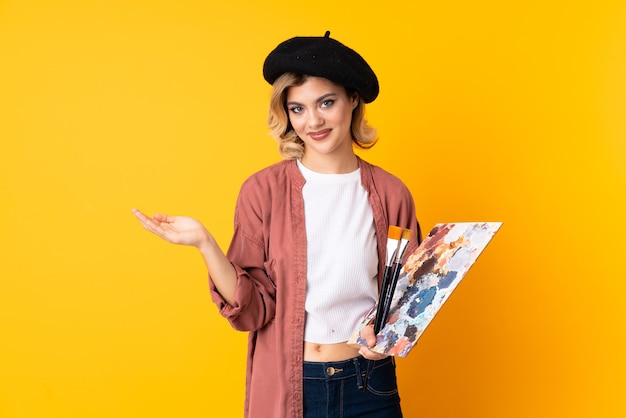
(243, 287)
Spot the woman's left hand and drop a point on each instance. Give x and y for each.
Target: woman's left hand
(368, 335)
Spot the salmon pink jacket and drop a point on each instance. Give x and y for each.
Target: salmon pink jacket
(268, 251)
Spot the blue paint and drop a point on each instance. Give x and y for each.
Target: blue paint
(447, 280)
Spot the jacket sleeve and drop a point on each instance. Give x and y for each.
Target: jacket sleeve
(409, 218)
(255, 293)
(400, 208)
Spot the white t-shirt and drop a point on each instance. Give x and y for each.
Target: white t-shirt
(342, 257)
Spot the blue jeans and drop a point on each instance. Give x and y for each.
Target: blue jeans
(335, 389)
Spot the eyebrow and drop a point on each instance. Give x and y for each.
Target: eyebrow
(320, 99)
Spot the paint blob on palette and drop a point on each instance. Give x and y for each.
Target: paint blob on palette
(428, 277)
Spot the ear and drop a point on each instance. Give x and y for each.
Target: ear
(354, 100)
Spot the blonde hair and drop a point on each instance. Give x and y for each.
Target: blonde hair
(290, 145)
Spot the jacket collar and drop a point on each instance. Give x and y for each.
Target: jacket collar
(298, 179)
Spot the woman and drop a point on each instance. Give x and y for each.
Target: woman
(308, 249)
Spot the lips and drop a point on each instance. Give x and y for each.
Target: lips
(319, 135)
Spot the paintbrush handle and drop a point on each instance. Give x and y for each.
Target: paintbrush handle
(378, 322)
(390, 291)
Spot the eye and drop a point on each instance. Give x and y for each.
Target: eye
(328, 103)
(295, 109)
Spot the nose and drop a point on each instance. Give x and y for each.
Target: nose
(315, 119)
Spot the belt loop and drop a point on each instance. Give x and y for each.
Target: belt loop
(359, 376)
(368, 374)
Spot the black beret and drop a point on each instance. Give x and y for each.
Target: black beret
(321, 56)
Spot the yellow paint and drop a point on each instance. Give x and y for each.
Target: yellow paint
(506, 111)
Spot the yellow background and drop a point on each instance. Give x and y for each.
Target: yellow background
(489, 110)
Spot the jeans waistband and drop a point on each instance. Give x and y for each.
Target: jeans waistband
(334, 370)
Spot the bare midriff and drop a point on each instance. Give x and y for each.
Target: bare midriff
(329, 352)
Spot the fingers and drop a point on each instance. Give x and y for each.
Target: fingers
(371, 355)
(141, 217)
(151, 225)
(157, 219)
(160, 217)
(367, 333)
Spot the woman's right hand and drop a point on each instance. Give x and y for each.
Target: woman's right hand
(188, 231)
(175, 229)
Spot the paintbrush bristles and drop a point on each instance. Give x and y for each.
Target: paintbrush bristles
(393, 240)
(402, 244)
(394, 232)
(397, 242)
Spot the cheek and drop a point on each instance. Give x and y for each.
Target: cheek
(344, 119)
(296, 124)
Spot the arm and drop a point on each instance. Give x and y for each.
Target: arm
(399, 207)
(187, 231)
(254, 303)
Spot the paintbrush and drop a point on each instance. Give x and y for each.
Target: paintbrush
(397, 267)
(397, 241)
(394, 236)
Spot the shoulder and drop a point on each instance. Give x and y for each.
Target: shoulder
(270, 177)
(260, 188)
(383, 180)
(264, 195)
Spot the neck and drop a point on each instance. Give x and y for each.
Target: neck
(331, 165)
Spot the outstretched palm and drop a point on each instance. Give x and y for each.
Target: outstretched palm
(175, 229)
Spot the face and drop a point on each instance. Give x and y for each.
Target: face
(320, 112)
